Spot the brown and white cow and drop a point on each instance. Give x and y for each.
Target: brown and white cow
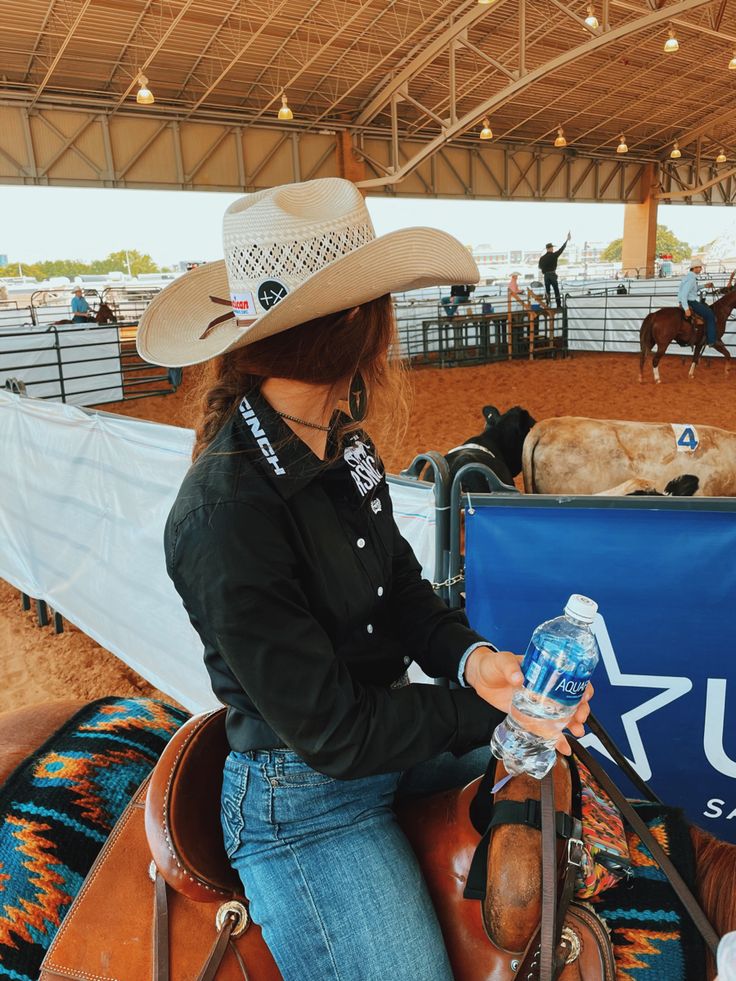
(573, 455)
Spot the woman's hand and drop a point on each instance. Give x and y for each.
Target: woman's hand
(495, 676)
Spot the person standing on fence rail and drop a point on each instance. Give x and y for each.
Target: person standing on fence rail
(309, 603)
(548, 265)
(689, 298)
(81, 310)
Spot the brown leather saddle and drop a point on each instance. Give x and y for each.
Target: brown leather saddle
(162, 902)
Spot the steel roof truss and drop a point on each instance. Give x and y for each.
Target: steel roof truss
(68, 143)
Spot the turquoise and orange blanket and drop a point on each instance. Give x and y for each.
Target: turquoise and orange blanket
(58, 808)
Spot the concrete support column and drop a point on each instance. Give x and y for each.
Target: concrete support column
(640, 228)
(349, 165)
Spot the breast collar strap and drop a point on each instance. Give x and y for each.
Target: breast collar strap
(471, 446)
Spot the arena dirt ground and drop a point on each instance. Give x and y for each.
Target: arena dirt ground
(36, 665)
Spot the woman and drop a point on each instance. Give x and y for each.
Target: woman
(514, 289)
(308, 601)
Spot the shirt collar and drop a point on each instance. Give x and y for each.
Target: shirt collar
(285, 460)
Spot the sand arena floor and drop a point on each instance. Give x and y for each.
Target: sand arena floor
(37, 665)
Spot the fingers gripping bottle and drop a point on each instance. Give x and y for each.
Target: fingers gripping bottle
(557, 667)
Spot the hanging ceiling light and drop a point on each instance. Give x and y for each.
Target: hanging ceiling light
(622, 148)
(675, 153)
(486, 133)
(732, 63)
(284, 112)
(721, 158)
(560, 140)
(144, 96)
(591, 20)
(671, 44)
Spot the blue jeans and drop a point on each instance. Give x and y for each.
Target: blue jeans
(331, 878)
(704, 311)
(450, 304)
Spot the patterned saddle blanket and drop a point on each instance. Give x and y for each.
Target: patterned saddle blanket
(57, 810)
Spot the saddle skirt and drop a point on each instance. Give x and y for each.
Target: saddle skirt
(170, 833)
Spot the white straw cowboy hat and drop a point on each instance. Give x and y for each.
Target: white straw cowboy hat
(696, 261)
(292, 253)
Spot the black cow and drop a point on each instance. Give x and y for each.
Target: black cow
(498, 447)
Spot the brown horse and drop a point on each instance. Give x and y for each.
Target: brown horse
(104, 315)
(661, 327)
(438, 827)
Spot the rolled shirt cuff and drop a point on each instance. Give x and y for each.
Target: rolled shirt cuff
(464, 660)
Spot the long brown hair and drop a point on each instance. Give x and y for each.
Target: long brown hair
(325, 351)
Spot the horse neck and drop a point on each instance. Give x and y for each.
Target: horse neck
(725, 305)
(715, 863)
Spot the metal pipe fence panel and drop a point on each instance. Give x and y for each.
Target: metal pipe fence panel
(74, 363)
(610, 322)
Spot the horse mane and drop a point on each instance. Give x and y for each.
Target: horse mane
(728, 299)
(715, 862)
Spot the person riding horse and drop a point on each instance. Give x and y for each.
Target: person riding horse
(82, 313)
(690, 302)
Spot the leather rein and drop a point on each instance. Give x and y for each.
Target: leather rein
(542, 958)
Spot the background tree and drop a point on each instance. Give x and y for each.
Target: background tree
(667, 242)
(115, 262)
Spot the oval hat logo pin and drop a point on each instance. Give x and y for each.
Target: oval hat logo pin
(270, 292)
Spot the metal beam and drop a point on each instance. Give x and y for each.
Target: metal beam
(157, 47)
(238, 55)
(487, 106)
(358, 13)
(126, 44)
(62, 48)
(453, 31)
(68, 144)
(689, 192)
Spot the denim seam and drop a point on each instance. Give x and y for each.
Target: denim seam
(242, 779)
(315, 909)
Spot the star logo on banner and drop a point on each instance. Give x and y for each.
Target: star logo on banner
(672, 688)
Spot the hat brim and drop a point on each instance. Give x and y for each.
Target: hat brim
(170, 330)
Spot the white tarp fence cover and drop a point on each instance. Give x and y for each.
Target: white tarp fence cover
(83, 501)
(85, 369)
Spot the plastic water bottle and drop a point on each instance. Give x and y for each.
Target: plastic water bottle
(727, 957)
(557, 666)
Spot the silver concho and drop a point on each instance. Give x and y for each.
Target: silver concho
(233, 908)
(572, 940)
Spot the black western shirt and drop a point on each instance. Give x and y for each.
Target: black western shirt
(310, 604)
(548, 261)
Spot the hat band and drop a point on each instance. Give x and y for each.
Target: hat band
(221, 319)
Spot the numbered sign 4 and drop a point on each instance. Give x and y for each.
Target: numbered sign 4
(686, 437)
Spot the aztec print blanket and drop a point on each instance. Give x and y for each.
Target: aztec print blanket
(58, 808)
(653, 936)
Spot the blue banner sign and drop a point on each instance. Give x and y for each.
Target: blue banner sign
(665, 583)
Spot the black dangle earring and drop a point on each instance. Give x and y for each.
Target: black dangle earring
(357, 400)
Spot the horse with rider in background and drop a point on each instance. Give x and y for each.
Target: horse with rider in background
(661, 327)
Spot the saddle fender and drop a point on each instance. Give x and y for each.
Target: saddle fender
(444, 841)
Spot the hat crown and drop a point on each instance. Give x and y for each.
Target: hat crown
(276, 239)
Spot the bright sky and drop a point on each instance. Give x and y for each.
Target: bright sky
(70, 223)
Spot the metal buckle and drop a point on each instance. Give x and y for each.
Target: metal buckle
(574, 852)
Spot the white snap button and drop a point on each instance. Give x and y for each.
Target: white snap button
(380, 590)
(407, 660)
(361, 543)
(369, 628)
